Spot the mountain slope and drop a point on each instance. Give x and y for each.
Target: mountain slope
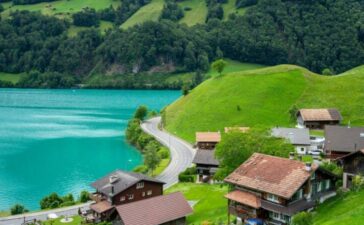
(263, 98)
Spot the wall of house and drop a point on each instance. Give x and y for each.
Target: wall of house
(155, 188)
(354, 164)
(206, 145)
(301, 149)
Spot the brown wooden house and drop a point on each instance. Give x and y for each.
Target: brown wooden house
(207, 140)
(353, 164)
(341, 141)
(318, 118)
(206, 165)
(274, 188)
(119, 188)
(170, 209)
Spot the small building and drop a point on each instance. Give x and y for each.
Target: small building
(300, 138)
(206, 165)
(318, 118)
(169, 209)
(119, 188)
(274, 189)
(340, 141)
(207, 140)
(238, 129)
(352, 164)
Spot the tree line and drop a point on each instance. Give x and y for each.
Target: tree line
(323, 36)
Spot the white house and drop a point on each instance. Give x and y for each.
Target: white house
(300, 138)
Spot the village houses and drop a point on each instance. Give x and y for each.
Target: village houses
(318, 118)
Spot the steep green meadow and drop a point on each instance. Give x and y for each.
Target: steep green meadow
(196, 15)
(263, 98)
(13, 78)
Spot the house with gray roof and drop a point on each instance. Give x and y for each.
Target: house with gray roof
(206, 164)
(300, 138)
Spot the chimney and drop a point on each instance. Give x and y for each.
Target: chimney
(291, 155)
(308, 166)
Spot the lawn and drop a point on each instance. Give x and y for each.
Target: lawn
(347, 209)
(229, 8)
(11, 77)
(62, 8)
(196, 15)
(211, 204)
(149, 12)
(162, 165)
(74, 30)
(264, 97)
(235, 66)
(76, 221)
(4, 213)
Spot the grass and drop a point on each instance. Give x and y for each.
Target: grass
(265, 97)
(162, 165)
(62, 8)
(319, 133)
(74, 30)
(4, 213)
(229, 8)
(149, 12)
(211, 203)
(77, 220)
(13, 78)
(346, 209)
(196, 15)
(234, 66)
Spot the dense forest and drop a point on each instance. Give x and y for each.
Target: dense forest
(323, 34)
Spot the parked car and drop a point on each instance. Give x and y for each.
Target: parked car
(254, 221)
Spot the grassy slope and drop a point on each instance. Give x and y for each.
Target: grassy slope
(13, 78)
(197, 14)
(229, 8)
(211, 203)
(149, 12)
(265, 97)
(104, 25)
(61, 8)
(341, 210)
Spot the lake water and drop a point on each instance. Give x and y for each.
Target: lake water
(61, 140)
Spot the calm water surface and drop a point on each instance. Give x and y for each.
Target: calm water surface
(61, 140)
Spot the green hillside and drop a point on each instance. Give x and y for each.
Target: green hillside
(347, 209)
(13, 78)
(263, 98)
(196, 15)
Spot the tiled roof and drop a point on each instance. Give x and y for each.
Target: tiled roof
(205, 157)
(240, 129)
(270, 174)
(344, 139)
(320, 114)
(295, 136)
(123, 180)
(245, 198)
(208, 137)
(155, 211)
(101, 207)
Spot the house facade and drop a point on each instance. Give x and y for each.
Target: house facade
(299, 138)
(206, 165)
(318, 118)
(352, 164)
(207, 140)
(119, 188)
(341, 141)
(274, 189)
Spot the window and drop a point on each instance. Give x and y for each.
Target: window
(313, 176)
(327, 184)
(149, 192)
(143, 194)
(122, 198)
(278, 216)
(140, 185)
(273, 198)
(131, 197)
(319, 186)
(298, 195)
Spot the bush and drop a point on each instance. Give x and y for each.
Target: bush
(141, 169)
(186, 178)
(84, 196)
(69, 203)
(51, 201)
(163, 153)
(141, 112)
(327, 72)
(18, 209)
(332, 167)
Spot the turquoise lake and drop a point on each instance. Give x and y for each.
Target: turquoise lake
(62, 140)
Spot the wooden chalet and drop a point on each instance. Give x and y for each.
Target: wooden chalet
(318, 118)
(206, 165)
(341, 141)
(352, 164)
(119, 188)
(207, 140)
(170, 209)
(274, 189)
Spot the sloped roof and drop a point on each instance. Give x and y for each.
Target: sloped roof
(344, 139)
(123, 180)
(270, 174)
(245, 198)
(208, 136)
(295, 136)
(101, 207)
(240, 129)
(155, 211)
(320, 114)
(205, 157)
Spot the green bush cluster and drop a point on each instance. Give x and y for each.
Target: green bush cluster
(53, 200)
(189, 175)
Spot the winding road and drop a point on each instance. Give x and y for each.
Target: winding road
(182, 154)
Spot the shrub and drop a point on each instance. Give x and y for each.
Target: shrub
(141, 169)
(69, 203)
(18, 209)
(163, 153)
(51, 201)
(84, 196)
(141, 112)
(332, 167)
(186, 178)
(68, 198)
(358, 183)
(327, 72)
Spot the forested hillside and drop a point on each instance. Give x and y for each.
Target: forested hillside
(320, 35)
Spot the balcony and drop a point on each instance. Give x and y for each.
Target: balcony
(97, 197)
(290, 209)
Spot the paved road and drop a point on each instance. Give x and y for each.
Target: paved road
(182, 152)
(182, 155)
